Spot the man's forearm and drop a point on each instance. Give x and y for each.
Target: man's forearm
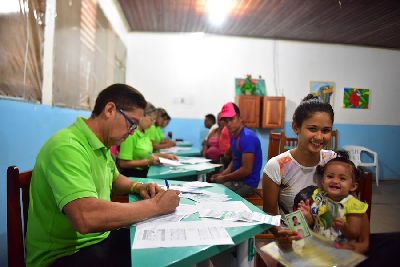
(123, 185)
(87, 214)
(238, 175)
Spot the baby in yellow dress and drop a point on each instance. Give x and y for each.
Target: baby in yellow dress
(335, 213)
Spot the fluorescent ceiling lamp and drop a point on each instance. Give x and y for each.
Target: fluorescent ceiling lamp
(218, 10)
(9, 6)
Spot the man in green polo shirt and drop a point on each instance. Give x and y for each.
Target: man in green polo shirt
(155, 132)
(71, 220)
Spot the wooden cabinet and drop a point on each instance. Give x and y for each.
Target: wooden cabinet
(250, 109)
(262, 112)
(273, 112)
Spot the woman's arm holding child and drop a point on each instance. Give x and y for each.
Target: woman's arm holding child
(350, 228)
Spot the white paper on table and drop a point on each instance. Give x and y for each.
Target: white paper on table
(162, 220)
(234, 206)
(182, 211)
(205, 196)
(168, 162)
(174, 150)
(227, 224)
(180, 234)
(185, 189)
(193, 160)
(200, 166)
(198, 184)
(266, 218)
(209, 213)
(253, 216)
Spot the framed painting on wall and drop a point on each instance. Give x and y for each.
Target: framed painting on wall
(249, 86)
(355, 98)
(324, 90)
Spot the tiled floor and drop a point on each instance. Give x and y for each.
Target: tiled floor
(385, 211)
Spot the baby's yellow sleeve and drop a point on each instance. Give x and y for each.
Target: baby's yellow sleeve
(355, 206)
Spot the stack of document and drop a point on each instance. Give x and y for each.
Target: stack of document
(174, 150)
(200, 166)
(235, 211)
(198, 184)
(168, 162)
(204, 196)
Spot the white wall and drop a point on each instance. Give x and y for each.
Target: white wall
(200, 71)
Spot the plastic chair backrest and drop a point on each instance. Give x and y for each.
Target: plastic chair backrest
(355, 156)
(17, 184)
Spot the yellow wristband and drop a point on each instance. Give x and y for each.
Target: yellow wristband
(135, 187)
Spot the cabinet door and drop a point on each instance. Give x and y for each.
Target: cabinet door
(249, 110)
(273, 112)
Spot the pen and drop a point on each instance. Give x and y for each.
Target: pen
(166, 183)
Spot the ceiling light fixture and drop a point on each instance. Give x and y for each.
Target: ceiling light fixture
(218, 11)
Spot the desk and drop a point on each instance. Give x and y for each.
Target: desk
(183, 144)
(187, 256)
(164, 172)
(192, 152)
(183, 151)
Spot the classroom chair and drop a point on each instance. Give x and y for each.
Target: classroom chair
(333, 142)
(275, 146)
(17, 185)
(288, 142)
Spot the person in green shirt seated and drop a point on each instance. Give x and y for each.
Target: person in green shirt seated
(136, 152)
(71, 220)
(155, 132)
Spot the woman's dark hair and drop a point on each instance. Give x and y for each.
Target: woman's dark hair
(303, 194)
(211, 117)
(308, 106)
(162, 113)
(341, 156)
(150, 108)
(123, 96)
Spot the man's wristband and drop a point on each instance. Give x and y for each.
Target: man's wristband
(135, 187)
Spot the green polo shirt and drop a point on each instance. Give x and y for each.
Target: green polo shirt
(72, 164)
(137, 146)
(155, 134)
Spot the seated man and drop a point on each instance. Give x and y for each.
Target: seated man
(70, 213)
(243, 173)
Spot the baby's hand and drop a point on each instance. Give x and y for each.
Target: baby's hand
(338, 224)
(305, 209)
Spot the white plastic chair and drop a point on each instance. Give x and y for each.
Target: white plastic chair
(355, 157)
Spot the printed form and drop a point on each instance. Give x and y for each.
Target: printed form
(180, 234)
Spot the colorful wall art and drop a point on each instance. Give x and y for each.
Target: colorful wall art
(356, 98)
(249, 86)
(324, 90)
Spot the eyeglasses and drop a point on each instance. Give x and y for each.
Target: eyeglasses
(132, 125)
